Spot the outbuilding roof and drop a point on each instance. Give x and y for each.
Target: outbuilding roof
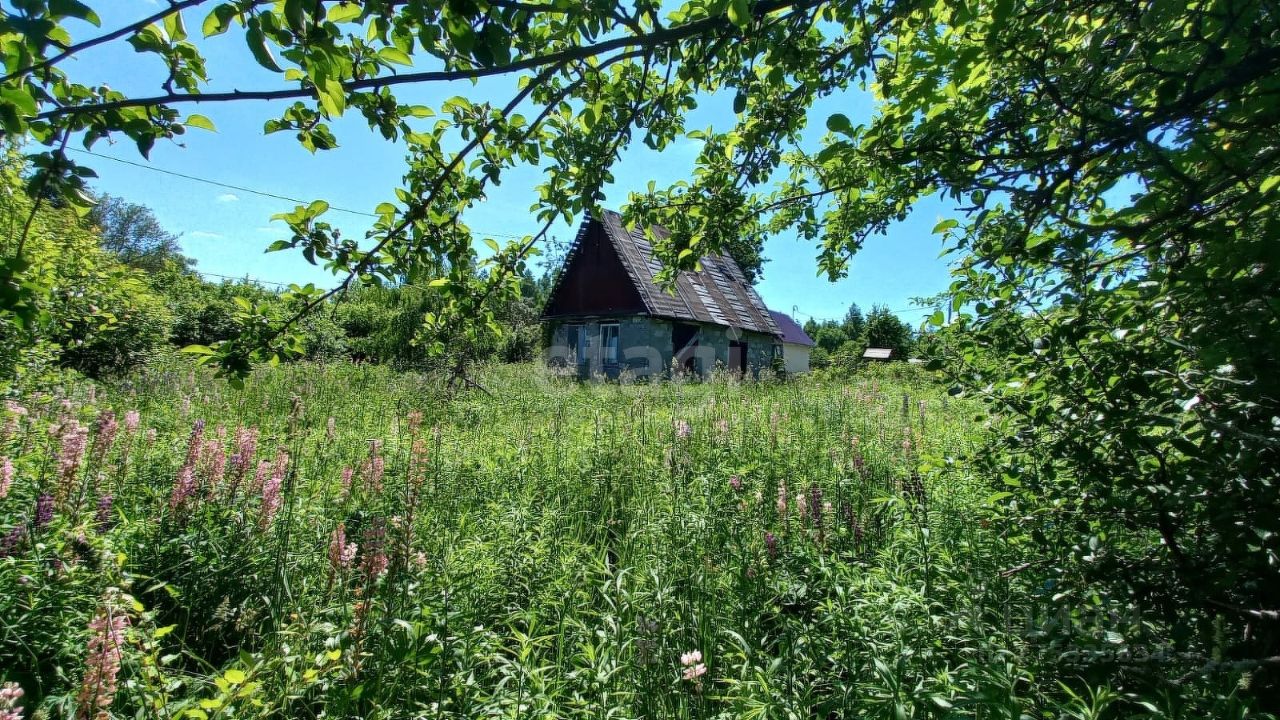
(791, 330)
(878, 353)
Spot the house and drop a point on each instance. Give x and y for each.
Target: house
(796, 343)
(606, 314)
(878, 354)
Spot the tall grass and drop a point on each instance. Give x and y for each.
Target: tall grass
(386, 549)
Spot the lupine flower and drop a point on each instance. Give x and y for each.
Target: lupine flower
(771, 545)
(683, 429)
(102, 662)
(104, 433)
(12, 539)
(6, 477)
(44, 510)
(331, 429)
(693, 667)
(271, 500)
(375, 553)
(195, 444)
(214, 463)
(341, 552)
(782, 500)
(802, 507)
(735, 482)
(373, 467)
(10, 694)
(415, 421)
(346, 481)
(260, 476)
(722, 426)
(183, 488)
(815, 502)
(246, 445)
(102, 519)
(131, 420)
(70, 454)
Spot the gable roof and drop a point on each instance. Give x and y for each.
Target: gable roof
(718, 293)
(791, 330)
(878, 353)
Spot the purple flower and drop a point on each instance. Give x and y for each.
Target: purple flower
(771, 544)
(12, 540)
(44, 510)
(735, 482)
(102, 519)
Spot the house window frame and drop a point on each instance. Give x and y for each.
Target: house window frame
(604, 343)
(575, 340)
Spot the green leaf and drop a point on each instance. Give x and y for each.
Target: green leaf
(945, 225)
(739, 13)
(197, 350)
(234, 676)
(395, 55)
(201, 122)
(839, 123)
(218, 21)
(176, 28)
(75, 9)
(258, 46)
(1269, 184)
(161, 632)
(344, 12)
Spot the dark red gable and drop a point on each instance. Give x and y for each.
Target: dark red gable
(594, 283)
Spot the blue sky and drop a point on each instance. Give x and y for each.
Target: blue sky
(227, 230)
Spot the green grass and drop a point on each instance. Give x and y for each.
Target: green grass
(552, 551)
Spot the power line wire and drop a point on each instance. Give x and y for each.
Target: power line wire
(215, 183)
(251, 191)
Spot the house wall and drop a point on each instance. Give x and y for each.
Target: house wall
(795, 358)
(645, 346)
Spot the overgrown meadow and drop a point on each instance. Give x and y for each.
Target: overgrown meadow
(348, 541)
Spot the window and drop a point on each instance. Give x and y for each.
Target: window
(573, 336)
(609, 343)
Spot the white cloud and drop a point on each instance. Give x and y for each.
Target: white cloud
(204, 235)
(228, 197)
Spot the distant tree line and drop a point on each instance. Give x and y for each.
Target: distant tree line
(101, 292)
(841, 343)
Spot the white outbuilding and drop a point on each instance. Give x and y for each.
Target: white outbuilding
(796, 345)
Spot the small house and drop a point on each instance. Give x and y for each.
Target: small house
(606, 314)
(796, 343)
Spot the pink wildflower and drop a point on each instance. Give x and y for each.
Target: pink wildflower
(271, 500)
(105, 435)
(341, 552)
(375, 553)
(735, 482)
(802, 507)
(183, 488)
(782, 500)
(131, 421)
(6, 477)
(693, 666)
(71, 454)
(260, 476)
(415, 421)
(346, 481)
(102, 662)
(683, 430)
(331, 429)
(10, 694)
